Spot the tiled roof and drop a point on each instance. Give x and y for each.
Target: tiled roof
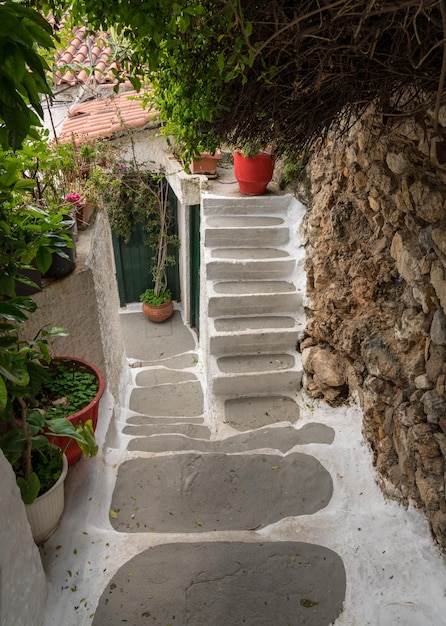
(104, 117)
(85, 51)
(86, 60)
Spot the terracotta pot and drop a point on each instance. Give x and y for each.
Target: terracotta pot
(84, 212)
(206, 163)
(253, 173)
(90, 412)
(46, 510)
(159, 313)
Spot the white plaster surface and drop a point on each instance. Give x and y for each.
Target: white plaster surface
(394, 573)
(23, 584)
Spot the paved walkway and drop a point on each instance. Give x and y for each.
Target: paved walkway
(184, 522)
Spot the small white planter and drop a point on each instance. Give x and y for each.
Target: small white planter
(46, 510)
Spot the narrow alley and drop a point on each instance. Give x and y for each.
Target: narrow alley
(266, 521)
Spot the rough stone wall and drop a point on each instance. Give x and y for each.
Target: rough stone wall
(101, 260)
(86, 304)
(375, 236)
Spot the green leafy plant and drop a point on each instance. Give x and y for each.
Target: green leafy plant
(66, 390)
(35, 461)
(138, 197)
(24, 428)
(28, 234)
(53, 171)
(23, 71)
(150, 297)
(250, 149)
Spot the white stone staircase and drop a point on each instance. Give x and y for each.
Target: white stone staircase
(252, 311)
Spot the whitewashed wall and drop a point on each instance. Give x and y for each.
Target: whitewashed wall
(22, 579)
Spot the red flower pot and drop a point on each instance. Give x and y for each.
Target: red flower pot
(73, 452)
(253, 173)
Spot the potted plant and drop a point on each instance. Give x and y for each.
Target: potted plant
(41, 468)
(156, 307)
(31, 239)
(66, 177)
(63, 260)
(205, 163)
(81, 210)
(26, 431)
(253, 168)
(157, 303)
(72, 390)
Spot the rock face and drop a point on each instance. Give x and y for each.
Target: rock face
(375, 235)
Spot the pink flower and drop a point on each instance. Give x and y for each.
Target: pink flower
(72, 197)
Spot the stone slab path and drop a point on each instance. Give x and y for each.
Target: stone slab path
(270, 517)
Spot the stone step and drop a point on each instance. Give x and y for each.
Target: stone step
(214, 205)
(249, 263)
(168, 400)
(245, 230)
(235, 298)
(254, 334)
(252, 412)
(247, 374)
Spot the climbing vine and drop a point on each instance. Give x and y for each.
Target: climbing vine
(282, 73)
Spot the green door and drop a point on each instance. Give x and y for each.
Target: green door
(194, 291)
(133, 262)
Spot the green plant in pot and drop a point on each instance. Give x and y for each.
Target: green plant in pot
(157, 303)
(30, 236)
(25, 430)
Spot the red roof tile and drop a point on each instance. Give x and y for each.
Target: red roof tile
(102, 118)
(87, 53)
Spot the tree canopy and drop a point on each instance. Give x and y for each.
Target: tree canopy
(22, 71)
(282, 73)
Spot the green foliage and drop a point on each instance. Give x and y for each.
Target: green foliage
(283, 73)
(50, 172)
(46, 459)
(136, 197)
(292, 168)
(22, 71)
(67, 390)
(28, 235)
(26, 425)
(149, 297)
(188, 52)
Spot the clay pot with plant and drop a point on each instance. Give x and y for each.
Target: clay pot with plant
(71, 390)
(206, 164)
(157, 302)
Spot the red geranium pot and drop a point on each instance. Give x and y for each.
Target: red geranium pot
(253, 173)
(89, 412)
